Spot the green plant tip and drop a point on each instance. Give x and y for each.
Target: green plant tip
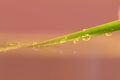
(84, 34)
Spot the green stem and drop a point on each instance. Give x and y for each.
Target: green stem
(83, 34)
(97, 30)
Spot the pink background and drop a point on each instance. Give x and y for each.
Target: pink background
(97, 59)
(55, 15)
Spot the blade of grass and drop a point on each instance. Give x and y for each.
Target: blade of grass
(83, 34)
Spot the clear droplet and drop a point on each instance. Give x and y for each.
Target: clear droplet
(10, 44)
(75, 41)
(34, 43)
(86, 37)
(16, 44)
(62, 41)
(108, 34)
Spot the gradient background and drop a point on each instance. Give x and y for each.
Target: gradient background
(51, 15)
(34, 20)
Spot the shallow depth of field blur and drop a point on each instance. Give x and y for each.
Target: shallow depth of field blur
(38, 20)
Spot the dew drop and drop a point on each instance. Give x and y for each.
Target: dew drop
(75, 41)
(16, 44)
(108, 34)
(86, 37)
(34, 43)
(10, 44)
(62, 41)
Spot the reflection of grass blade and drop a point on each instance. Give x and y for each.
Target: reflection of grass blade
(12, 46)
(84, 34)
(7, 48)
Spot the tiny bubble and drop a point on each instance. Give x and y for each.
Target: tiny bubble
(108, 34)
(75, 41)
(10, 44)
(62, 41)
(34, 43)
(86, 37)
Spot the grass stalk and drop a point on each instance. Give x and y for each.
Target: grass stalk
(84, 34)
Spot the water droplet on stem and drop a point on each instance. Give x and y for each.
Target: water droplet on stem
(108, 34)
(86, 37)
(75, 41)
(63, 40)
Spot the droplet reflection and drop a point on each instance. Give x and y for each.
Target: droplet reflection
(108, 34)
(86, 37)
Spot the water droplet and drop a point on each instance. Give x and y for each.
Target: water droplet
(10, 44)
(34, 43)
(75, 41)
(62, 41)
(108, 34)
(86, 37)
(15, 45)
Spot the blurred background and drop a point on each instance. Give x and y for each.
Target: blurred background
(55, 16)
(37, 20)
